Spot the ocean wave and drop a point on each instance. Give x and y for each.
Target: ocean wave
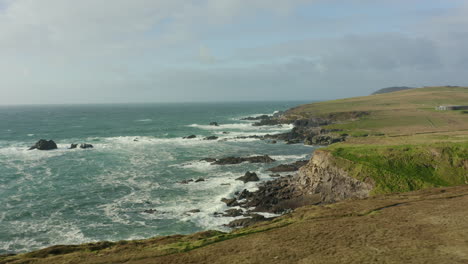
(144, 120)
(290, 157)
(209, 194)
(21, 151)
(254, 115)
(129, 141)
(243, 126)
(57, 230)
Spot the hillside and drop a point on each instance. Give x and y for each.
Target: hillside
(392, 89)
(407, 112)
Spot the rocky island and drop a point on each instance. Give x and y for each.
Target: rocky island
(389, 186)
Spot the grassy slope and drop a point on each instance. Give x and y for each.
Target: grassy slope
(418, 227)
(399, 113)
(402, 144)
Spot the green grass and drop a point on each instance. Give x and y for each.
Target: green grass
(403, 168)
(409, 111)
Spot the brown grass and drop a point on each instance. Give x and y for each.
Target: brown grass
(419, 227)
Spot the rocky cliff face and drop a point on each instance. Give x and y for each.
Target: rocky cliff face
(324, 177)
(320, 181)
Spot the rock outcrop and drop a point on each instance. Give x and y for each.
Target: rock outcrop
(44, 145)
(321, 180)
(73, 146)
(238, 160)
(289, 167)
(249, 177)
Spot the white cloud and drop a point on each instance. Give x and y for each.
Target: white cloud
(69, 49)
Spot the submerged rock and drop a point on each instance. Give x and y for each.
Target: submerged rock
(230, 202)
(211, 138)
(248, 177)
(214, 124)
(150, 211)
(199, 180)
(194, 211)
(86, 146)
(73, 146)
(190, 137)
(185, 181)
(44, 145)
(208, 160)
(250, 118)
(237, 160)
(233, 212)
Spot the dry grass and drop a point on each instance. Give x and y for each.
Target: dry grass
(419, 227)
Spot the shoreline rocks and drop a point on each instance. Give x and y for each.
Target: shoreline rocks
(289, 167)
(245, 222)
(249, 177)
(238, 160)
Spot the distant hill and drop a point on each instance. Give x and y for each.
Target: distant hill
(392, 89)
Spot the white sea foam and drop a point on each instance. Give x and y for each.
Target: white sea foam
(20, 151)
(240, 126)
(254, 115)
(290, 157)
(145, 141)
(243, 126)
(201, 166)
(209, 194)
(59, 231)
(144, 120)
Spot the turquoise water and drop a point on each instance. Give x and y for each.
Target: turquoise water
(75, 196)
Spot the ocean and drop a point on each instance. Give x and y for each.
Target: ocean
(72, 196)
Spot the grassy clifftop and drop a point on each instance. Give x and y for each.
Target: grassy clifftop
(399, 113)
(406, 167)
(398, 139)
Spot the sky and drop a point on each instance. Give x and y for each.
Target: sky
(127, 51)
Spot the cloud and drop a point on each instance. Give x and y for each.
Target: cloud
(205, 55)
(64, 50)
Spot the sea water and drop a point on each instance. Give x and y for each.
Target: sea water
(72, 196)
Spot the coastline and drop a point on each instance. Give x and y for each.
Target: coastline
(351, 168)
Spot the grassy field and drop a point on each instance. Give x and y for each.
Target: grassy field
(406, 112)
